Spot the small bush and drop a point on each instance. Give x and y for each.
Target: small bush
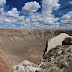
(68, 67)
(63, 53)
(53, 70)
(47, 66)
(58, 46)
(66, 46)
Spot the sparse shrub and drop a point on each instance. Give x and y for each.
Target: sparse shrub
(61, 64)
(53, 70)
(63, 53)
(66, 46)
(47, 65)
(54, 50)
(58, 46)
(62, 57)
(56, 54)
(68, 67)
(51, 50)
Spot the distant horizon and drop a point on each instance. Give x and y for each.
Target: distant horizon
(35, 29)
(36, 14)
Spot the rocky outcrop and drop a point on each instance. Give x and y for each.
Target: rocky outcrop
(4, 63)
(58, 40)
(26, 66)
(58, 59)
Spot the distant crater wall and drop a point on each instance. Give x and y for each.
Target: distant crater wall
(25, 43)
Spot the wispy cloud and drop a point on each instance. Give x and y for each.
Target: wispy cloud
(70, 2)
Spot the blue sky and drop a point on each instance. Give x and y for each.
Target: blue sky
(36, 14)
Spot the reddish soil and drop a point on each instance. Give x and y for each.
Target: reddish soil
(4, 63)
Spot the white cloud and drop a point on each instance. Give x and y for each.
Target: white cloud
(1, 11)
(27, 20)
(30, 7)
(13, 25)
(2, 2)
(70, 2)
(20, 18)
(7, 21)
(49, 19)
(67, 18)
(50, 5)
(10, 18)
(12, 13)
(46, 17)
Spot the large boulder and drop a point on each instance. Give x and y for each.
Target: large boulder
(4, 63)
(57, 40)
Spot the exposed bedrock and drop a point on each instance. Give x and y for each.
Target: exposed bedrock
(61, 39)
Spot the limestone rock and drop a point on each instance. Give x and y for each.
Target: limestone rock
(26, 66)
(18, 68)
(57, 40)
(32, 69)
(60, 52)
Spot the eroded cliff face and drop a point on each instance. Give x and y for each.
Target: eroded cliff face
(25, 44)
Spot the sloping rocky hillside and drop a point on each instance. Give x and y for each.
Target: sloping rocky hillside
(25, 44)
(58, 59)
(5, 65)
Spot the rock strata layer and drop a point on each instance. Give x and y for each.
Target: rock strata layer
(4, 63)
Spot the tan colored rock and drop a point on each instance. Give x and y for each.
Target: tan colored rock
(26, 63)
(32, 69)
(18, 68)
